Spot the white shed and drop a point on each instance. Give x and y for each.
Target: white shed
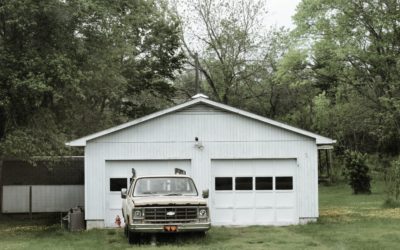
(259, 171)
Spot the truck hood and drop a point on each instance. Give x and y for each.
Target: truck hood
(168, 200)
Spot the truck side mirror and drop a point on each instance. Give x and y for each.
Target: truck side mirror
(206, 193)
(123, 193)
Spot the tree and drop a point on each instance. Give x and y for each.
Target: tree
(68, 68)
(231, 40)
(352, 53)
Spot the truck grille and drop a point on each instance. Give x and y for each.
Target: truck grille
(158, 215)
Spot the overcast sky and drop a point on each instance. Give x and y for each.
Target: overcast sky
(280, 12)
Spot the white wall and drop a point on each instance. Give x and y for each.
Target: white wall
(45, 198)
(15, 199)
(223, 135)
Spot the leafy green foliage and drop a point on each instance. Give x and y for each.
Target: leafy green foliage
(69, 68)
(353, 57)
(357, 172)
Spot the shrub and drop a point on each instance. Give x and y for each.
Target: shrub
(393, 184)
(357, 172)
(391, 203)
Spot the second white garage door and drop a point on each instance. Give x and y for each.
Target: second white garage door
(254, 192)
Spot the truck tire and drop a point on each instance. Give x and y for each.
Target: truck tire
(126, 230)
(133, 238)
(201, 234)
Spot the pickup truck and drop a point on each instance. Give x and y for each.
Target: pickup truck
(163, 204)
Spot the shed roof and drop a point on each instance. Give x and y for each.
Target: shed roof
(200, 98)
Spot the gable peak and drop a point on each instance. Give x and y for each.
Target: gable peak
(199, 95)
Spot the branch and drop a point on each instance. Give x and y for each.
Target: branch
(211, 32)
(205, 73)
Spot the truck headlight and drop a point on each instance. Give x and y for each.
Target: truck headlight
(203, 213)
(137, 214)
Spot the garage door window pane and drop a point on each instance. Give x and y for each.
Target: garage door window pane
(244, 183)
(116, 184)
(284, 183)
(263, 183)
(223, 183)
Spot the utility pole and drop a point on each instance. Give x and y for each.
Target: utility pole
(196, 63)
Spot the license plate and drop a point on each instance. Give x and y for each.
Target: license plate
(170, 228)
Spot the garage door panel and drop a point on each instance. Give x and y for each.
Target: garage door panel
(244, 216)
(265, 216)
(284, 170)
(112, 214)
(124, 168)
(224, 199)
(242, 170)
(222, 170)
(285, 215)
(222, 216)
(264, 200)
(244, 199)
(114, 202)
(285, 200)
(262, 170)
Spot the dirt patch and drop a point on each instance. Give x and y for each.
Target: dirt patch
(351, 214)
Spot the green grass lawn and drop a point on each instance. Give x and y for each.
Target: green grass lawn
(347, 222)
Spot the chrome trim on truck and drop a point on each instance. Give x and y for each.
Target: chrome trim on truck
(159, 228)
(185, 214)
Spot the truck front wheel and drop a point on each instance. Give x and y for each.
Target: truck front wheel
(126, 230)
(133, 238)
(201, 234)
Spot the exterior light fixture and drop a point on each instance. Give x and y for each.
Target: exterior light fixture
(198, 143)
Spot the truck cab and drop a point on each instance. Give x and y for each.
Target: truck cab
(164, 204)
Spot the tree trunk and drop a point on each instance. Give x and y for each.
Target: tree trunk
(328, 162)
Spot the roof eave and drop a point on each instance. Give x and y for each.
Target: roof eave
(76, 143)
(325, 141)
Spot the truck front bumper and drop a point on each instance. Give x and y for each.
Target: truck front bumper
(159, 228)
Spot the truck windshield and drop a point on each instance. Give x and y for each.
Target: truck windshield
(166, 186)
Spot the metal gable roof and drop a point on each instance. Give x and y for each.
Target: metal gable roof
(200, 98)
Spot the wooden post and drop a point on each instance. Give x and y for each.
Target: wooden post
(319, 162)
(328, 163)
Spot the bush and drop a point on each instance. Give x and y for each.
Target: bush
(357, 171)
(391, 203)
(393, 184)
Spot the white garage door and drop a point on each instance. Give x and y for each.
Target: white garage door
(254, 192)
(118, 175)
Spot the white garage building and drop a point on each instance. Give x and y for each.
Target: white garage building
(258, 171)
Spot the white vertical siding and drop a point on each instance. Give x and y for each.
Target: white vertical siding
(223, 135)
(45, 198)
(56, 198)
(94, 182)
(15, 199)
